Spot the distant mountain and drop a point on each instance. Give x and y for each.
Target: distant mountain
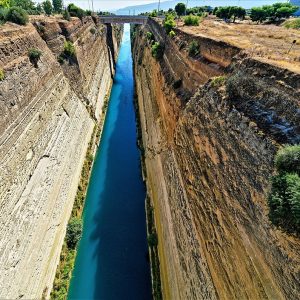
(165, 5)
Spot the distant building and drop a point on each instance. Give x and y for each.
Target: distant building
(297, 3)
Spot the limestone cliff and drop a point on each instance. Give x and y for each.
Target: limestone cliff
(47, 115)
(209, 151)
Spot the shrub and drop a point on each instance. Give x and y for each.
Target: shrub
(169, 23)
(149, 36)
(152, 239)
(157, 50)
(294, 24)
(3, 15)
(17, 15)
(69, 49)
(194, 48)
(284, 197)
(218, 81)
(76, 11)
(93, 30)
(2, 74)
(74, 231)
(177, 84)
(172, 34)
(287, 159)
(34, 55)
(191, 20)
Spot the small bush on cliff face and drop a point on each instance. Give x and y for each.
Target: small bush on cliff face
(17, 15)
(169, 23)
(149, 36)
(288, 160)
(34, 55)
(92, 30)
(66, 15)
(74, 231)
(2, 74)
(152, 239)
(172, 34)
(218, 81)
(157, 50)
(69, 49)
(284, 197)
(194, 48)
(191, 20)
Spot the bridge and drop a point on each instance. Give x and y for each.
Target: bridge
(114, 19)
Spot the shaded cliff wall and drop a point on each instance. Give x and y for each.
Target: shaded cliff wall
(209, 153)
(46, 120)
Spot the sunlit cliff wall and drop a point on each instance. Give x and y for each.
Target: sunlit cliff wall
(47, 115)
(209, 153)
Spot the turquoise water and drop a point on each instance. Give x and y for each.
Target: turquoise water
(112, 256)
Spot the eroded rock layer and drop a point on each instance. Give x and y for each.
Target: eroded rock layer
(209, 151)
(47, 115)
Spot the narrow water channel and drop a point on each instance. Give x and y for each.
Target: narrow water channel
(111, 262)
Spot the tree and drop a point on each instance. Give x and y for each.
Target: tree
(47, 6)
(74, 231)
(17, 15)
(258, 14)
(28, 5)
(180, 9)
(57, 5)
(237, 12)
(223, 12)
(285, 11)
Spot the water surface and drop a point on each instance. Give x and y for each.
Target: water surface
(111, 262)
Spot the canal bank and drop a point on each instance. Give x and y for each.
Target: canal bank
(111, 262)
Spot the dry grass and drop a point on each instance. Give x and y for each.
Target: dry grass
(269, 43)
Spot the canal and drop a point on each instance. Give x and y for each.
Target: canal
(111, 261)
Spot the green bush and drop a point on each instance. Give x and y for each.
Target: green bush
(34, 55)
(169, 23)
(149, 36)
(69, 49)
(93, 30)
(294, 24)
(17, 15)
(287, 159)
(74, 231)
(76, 11)
(152, 240)
(194, 48)
(172, 34)
(284, 197)
(157, 50)
(2, 74)
(3, 14)
(191, 20)
(218, 81)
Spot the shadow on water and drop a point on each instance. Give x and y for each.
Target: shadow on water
(112, 257)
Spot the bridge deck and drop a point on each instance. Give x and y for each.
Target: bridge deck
(124, 19)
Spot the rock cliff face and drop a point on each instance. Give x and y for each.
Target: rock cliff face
(209, 152)
(47, 115)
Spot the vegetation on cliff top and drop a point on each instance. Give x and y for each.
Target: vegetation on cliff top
(284, 197)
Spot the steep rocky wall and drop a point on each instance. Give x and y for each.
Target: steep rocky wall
(45, 128)
(209, 153)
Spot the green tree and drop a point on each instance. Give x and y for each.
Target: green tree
(287, 159)
(28, 5)
(57, 5)
(169, 23)
(237, 12)
(76, 11)
(74, 231)
(223, 12)
(180, 9)
(258, 14)
(17, 15)
(48, 8)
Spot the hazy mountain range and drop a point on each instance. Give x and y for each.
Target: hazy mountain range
(165, 5)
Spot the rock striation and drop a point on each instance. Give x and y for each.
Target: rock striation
(47, 115)
(209, 151)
